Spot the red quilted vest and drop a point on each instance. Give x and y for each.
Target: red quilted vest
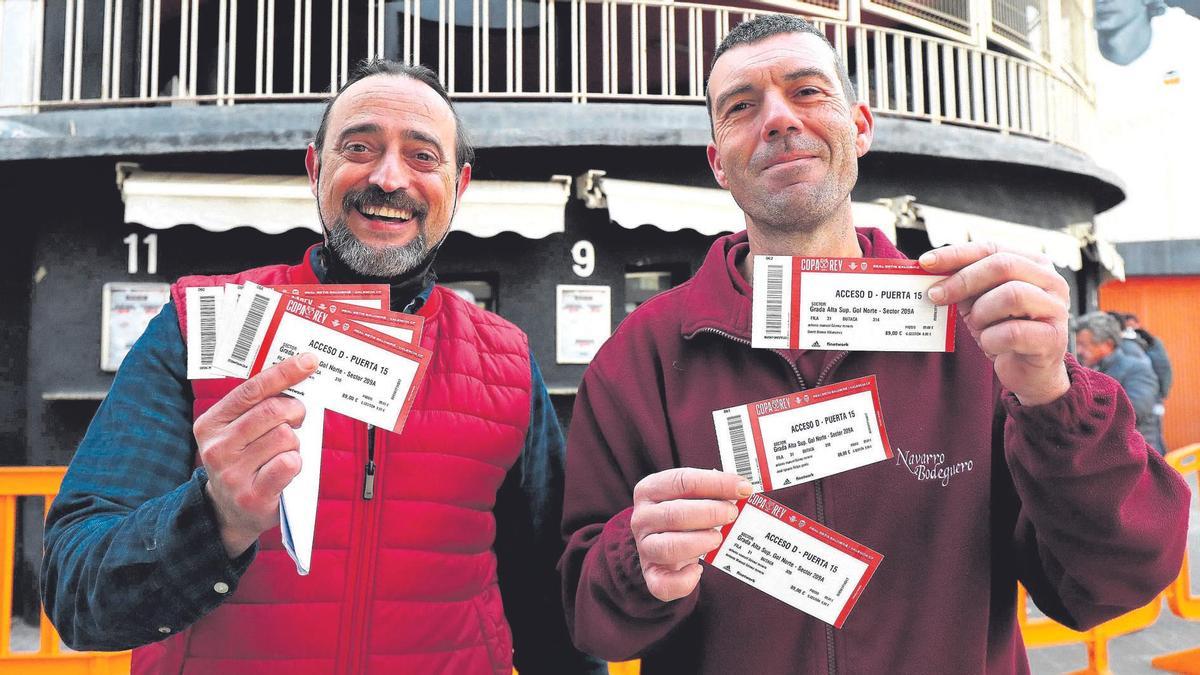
(404, 582)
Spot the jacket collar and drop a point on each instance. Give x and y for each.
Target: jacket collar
(718, 296)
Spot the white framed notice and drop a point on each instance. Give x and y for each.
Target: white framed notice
(127, 310)
(584, 321)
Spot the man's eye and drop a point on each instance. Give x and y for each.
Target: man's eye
(808, 91)
(738, 107)
(356, 147)
(427, 157)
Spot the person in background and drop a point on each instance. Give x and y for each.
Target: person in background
(1161, 363)
(1098, 339)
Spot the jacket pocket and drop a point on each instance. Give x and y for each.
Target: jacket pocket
(497, 639)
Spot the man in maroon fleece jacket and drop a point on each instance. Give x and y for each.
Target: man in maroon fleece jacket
(1052, 485)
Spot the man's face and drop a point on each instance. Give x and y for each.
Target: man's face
(1114, 14)
(786, 141)
(1090, 350)
(385, 181)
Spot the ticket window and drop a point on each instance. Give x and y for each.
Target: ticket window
(481, 292)
(643, 283)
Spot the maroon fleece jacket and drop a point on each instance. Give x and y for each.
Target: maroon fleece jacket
(983, 492)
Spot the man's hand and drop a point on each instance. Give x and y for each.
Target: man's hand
(1016, 307)
(247, 445)
(677, 516)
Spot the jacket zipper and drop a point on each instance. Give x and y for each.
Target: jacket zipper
(365, 564)
(369, 469)
(818, 485)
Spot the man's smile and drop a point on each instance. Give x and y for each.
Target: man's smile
(386, 214)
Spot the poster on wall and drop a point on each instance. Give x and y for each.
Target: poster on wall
(584, 321)
(127, 310)
(1146, 71)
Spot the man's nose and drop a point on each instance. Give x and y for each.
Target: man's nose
(391, 172)
(779, 116)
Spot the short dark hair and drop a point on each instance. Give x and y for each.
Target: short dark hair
(762, 27)
(464, 151)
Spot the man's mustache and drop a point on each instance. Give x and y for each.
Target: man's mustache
(374, 196)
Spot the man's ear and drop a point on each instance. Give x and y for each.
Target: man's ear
(864, 128)
(714, 162)
(313, 165)
(464, 179)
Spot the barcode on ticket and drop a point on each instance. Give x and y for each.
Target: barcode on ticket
(254, 319)
(774, 299)
(771, 319)
(204, 304)
(736, 446)
(208, 330)
(741, 450)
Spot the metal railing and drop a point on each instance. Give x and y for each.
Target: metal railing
(134, 52)
(1023, 22)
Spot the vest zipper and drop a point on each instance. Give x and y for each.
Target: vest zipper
(362, 566)
(818, 485)
(369, 469)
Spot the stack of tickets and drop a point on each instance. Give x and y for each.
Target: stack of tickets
(370, 368)
(845, 304)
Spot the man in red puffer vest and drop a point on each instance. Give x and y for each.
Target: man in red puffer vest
(164, 537)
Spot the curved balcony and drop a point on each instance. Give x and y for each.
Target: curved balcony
(990, 64)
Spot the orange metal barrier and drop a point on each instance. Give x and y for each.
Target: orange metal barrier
(1179, 594)
(1046, 632)
(38, 481)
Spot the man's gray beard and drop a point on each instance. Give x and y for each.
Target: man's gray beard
(385, 262)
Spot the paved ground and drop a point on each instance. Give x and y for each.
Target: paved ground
(1129, 654)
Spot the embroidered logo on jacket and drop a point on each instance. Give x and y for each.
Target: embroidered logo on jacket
(931, 466)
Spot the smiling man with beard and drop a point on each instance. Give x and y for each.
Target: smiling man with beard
(1056, 490)
(435, 548)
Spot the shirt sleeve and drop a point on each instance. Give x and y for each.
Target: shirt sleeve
(609, 607)
(132, 552)
(528, 511)
(1102, 524)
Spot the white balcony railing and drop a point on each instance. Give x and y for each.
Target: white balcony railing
(80, 53)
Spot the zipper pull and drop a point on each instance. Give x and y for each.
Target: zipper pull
(369, 481)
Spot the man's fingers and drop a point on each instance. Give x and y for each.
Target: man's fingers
(1014, 300)
(690, 483)
(261, 419)
(681, 515)
(668, 584)
(672, 548)
(268, 383)
(950, 259)
(276, 474)
(1037, 340)
(983, 275)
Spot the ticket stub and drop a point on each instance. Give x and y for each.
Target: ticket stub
(363, 295)
(405, 327)
(204, 315)
(363, 374)
(854, 304)
(804, 436)
(792, 559)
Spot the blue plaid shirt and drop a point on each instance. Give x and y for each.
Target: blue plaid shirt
(132, 552)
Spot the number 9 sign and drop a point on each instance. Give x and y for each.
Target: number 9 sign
(584, 255)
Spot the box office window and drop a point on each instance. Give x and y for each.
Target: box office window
(643, 283)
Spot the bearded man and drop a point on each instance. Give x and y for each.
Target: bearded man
(164, 537)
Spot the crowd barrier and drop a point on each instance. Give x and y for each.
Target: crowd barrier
(51, 658)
